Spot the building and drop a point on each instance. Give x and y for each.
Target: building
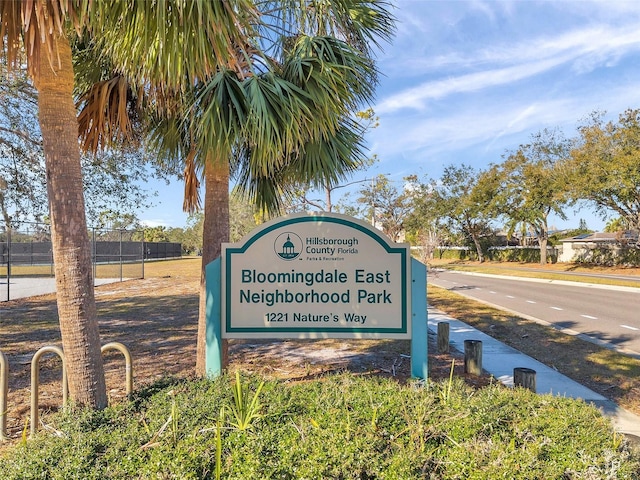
(596, 247)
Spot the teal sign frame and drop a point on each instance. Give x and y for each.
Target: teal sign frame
(220, 320)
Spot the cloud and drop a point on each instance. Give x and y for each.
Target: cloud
(483, 130)
(583, 51)
(416, 97)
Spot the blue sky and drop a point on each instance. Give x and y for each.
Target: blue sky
(467, 81)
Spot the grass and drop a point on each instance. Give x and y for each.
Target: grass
(558, 271)
(308, 422)
(338, 427)
(101, 270)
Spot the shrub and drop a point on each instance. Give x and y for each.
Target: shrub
(339, 427)
(521, 254)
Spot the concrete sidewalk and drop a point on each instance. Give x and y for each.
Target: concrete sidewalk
(499, 360)
(23, 287)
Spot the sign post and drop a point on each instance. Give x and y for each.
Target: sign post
(319, 275)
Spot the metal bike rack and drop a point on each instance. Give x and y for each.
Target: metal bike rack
(127, 358)
(4, 392)
(35, 383)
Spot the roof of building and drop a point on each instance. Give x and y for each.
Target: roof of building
(603, 237)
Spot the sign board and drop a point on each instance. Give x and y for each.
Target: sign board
(320, 275)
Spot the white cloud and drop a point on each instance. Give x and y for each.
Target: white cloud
(582, 50)
(484, 130)
(415, 97)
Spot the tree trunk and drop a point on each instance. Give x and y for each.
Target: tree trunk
(69, 235)
(476, 242)
(215, 232)
(543, 240)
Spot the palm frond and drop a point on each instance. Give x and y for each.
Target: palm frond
(105, 114)
(192, 173)
(204, 36)
(363, 24)
(33, 25)
(319, 163)
(220, 111)
(336, 77)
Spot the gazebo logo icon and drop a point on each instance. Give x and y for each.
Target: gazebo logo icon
(288, 245)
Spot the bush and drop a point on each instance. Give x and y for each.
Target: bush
(340, 427)
(610, 256)
(454, 253)
(521, 254)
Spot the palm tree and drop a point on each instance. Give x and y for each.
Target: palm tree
(283, 119)
(163, 53)
(149, 45)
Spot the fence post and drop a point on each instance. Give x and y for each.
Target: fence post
(9, 263)
(121, 255)
(4, 392)
(443, 337)
(524, 377)
(94, 255)
(142, 252)
(128, 363)
(35, 383)
(473, 357)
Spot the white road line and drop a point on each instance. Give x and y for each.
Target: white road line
(491, 291)
(556, 308)
(630, 328)
(589, 317)
(510, 296)
(530, 301)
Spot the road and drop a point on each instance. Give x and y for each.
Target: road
(606, 315)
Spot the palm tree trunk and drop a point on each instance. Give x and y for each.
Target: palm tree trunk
(215, 232)
(69, 235)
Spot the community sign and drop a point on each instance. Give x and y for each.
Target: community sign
(320, 275)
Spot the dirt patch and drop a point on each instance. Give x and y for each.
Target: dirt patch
(156, 318)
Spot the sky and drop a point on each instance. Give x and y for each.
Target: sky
(465, 82)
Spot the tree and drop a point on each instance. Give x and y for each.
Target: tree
(424, 225)
(458, 201)
(604, 168)
(112, 178)
(243, 219)
(299, 199)
(387, 206)
(214, 30)
(616, 225)
(530, 185)
(281, 115)
(22, 179)
(272, 90)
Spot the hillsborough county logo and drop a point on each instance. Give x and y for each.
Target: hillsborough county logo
(288, 245)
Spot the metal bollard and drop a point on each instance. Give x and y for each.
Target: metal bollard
(35, 383)
(128, 364)
(4, 393)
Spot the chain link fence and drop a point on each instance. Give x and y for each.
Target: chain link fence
(27, 267)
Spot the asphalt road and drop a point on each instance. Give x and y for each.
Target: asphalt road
(606, 315)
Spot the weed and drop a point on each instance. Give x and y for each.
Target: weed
(245, 411)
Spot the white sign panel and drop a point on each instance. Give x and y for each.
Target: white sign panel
(313, 276)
